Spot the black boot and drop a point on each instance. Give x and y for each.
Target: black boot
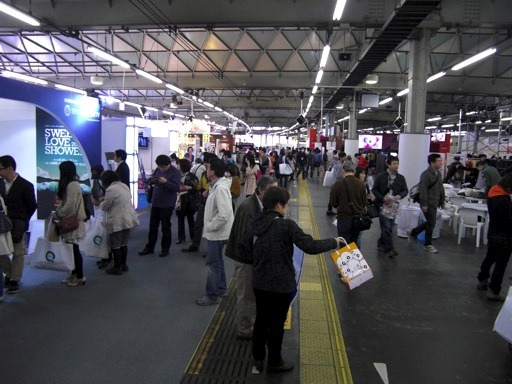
(124, 256)
(116, 269)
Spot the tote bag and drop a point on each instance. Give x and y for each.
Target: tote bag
(284, 168)
(95, 242)
(53, 255)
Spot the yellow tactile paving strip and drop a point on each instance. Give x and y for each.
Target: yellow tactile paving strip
(323, 358)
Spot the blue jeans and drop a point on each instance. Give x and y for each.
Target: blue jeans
(345, 230)
(216, 276)
(386, 235)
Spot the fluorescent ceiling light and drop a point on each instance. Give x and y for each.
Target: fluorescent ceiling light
(70, 89)
(315, 89)
(148, 76)
(436, 76)
(319, 76)
(168, 113)
(338, 11)
(470, 113)
(311, 98)
(447, 125)
(506, 119)
(404, 92)
(371, 79)
(492, 130)
(363, 110)
(385, 101)
(208, 104)
(151, 109)
(474, 59)
(325, 56)
(132, 104)
(175, 89)
(218, 109)
(431, 127)
(109, 57)
(19, 76)
(19, 15)
(434, 118)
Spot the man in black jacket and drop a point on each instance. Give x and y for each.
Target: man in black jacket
(236, 250)
(388, 188)
(20, 200)
(123, 170)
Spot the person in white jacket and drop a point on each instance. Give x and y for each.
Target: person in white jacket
(218, 219)
(120, 218)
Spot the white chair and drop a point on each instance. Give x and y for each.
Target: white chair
(470, 218)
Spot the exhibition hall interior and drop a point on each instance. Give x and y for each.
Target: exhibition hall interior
(80, 80)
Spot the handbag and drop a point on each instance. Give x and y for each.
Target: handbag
(68, 224)
(359, 222)
(5, 222)
(284, 168)
(55, 256)
(352, 267)
(95, 242)
(372, 210)
(329, 178)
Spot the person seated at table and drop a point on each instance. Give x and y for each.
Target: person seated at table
(499, 239)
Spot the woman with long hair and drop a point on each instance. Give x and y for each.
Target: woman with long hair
(233, 173)
(250, 174)
(71, 203)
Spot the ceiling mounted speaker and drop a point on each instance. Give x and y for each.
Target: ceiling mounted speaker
(344, 56)
(301, 120)
(399, 123)
(96, 80)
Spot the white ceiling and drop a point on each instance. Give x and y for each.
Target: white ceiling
(253, 58)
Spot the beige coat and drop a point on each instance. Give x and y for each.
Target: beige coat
(72, 204)
(118, 206)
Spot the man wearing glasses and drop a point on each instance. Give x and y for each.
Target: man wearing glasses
(20, 200)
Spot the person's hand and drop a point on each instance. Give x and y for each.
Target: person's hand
(398, 197)
(162, 180)
(424, 208)
(205, 193)
(386, 200)
(340, 242)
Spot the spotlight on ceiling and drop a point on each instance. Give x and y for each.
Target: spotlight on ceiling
(371, 79)
(96, 80)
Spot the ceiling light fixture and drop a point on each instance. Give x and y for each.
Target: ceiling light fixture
(96, 80)
(11, 11)
(109, 57)
(19, 76)
(404, 92)
(474, 59)
(325, 56)
(434, 118)
(338, 11)
(148, 76)
(385, 101)
(175, 89)
(371, 79)
(132, 104)
(70, 89)
(315, 89)
(319, 76)
(436, 76)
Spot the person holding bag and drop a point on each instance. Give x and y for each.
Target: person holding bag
(120, 218)
(349, 197)
(71, 208)
(6, 246)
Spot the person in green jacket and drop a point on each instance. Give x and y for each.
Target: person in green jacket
(490, 175)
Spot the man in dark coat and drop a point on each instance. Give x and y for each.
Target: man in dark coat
(388, 188)
(123, 170)
(20, 199)
(239, 252)
(500, 236)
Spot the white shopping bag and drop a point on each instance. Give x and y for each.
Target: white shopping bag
(329, 178)
(503, 323)
(95, 242)
(298, 261)
(353, 268)
(53, 255)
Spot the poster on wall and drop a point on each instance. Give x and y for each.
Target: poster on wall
(55, 145)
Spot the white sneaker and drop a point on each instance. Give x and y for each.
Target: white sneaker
(430, 248)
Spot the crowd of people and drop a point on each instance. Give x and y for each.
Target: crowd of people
(204, 192)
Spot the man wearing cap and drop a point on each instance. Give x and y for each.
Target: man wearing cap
(455, 173)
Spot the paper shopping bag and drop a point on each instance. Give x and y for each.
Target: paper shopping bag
(298, 262)
(352, 266)
(95, 242)
(503, 324)
(53, 255)
(329, 178)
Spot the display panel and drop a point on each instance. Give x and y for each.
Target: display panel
(143, 142)
(370, 141)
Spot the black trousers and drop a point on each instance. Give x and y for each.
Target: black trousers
(271, 311)
(79, 262)
(499, 257)
(160, 216)
(428, 226)
(189, 215)
(198, 227)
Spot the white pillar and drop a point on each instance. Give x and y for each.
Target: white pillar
(413, 151)
(351, 147)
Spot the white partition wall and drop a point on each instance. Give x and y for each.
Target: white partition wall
(413, 151)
